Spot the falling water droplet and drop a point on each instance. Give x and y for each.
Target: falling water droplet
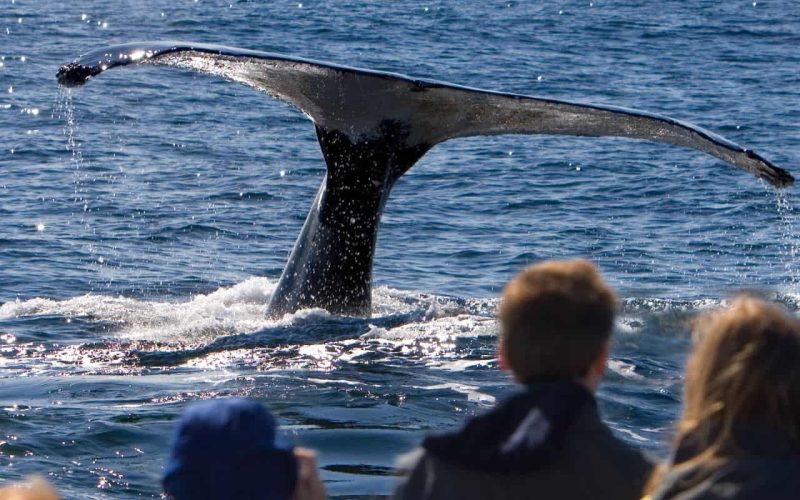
(788, 235)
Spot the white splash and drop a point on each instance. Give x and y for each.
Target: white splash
(471, 391)
(241, 309)
(624, 369)
(236, 309)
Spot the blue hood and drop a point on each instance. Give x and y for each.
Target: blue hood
(226, 449)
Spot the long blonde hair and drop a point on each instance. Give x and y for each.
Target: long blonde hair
(744, 369)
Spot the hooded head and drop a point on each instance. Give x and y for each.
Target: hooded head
(226, 449)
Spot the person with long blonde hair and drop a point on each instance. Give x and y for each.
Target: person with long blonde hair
(739, 435)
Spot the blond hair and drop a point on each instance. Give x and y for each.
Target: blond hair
(35, 488)
(555, 319)
(745, 368)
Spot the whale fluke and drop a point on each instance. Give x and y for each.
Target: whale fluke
(372, 127)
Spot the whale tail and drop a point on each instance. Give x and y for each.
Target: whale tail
(372, 127)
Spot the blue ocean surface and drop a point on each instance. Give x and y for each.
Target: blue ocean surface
(146, 217)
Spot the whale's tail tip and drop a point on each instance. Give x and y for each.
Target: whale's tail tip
(74, 74)
(782, 180)
(770, 172)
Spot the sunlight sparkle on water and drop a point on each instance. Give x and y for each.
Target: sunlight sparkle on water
(40, 227)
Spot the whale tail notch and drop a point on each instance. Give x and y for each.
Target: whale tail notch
(372, 127)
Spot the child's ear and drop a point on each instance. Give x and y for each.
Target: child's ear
(597, 370)
(501, 354)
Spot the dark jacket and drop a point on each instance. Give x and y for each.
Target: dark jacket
(766, 465)
(544, 442)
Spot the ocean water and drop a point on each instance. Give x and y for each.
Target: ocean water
(145, 219)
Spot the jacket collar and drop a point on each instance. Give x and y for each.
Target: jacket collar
(521, 434)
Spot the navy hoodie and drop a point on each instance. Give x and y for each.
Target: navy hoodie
(546, 441)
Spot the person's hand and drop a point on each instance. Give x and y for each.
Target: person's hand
(309, 485)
